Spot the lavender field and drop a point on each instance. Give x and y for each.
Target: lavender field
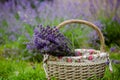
(19, 19)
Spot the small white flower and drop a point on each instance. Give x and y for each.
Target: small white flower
(16, 73)
(84, 56)
(102, 54)
(95, 56)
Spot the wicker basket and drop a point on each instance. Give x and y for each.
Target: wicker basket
(62, 69)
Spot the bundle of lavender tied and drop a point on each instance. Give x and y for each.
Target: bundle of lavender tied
(48, 40)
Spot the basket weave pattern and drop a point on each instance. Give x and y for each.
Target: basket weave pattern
(75, 70)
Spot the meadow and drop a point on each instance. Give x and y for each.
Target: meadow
(19, 18)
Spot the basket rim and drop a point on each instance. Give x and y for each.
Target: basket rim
(76, 64)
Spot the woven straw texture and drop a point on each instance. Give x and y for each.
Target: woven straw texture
(72, 71)
(77, 71)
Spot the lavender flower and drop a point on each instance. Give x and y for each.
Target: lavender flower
(92, 7)
(33, 12)
(111, 2)
(94, 39)
(12, 37)
(51, 41)
(115, 61)
(112, 49)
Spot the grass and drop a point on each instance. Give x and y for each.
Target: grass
(23, 70)
(20, 70)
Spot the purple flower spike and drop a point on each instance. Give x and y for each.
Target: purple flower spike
(51, 41)
(112, 49)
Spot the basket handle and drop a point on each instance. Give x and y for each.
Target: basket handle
(102, 41)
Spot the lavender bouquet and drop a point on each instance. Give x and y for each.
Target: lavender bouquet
(48, 40)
